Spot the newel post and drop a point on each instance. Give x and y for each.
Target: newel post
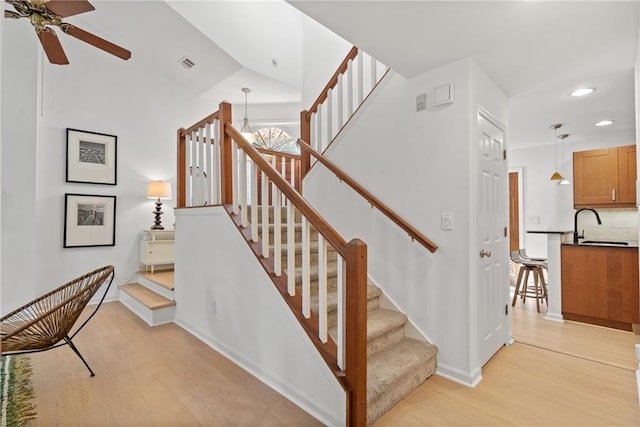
(226, 176)
(356, 332)
(305, 135)
(182, 169)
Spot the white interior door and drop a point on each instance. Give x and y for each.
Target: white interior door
(493, 294)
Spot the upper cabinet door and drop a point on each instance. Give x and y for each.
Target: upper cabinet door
(605, 177)
(627, 175)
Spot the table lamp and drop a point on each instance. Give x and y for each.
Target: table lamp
(158, 190)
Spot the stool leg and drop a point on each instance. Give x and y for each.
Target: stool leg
(515, 294)
(525, 284)
(535, 288)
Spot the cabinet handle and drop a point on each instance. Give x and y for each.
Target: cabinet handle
(613, 194)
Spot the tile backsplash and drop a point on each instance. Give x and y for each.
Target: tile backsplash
(617, 224)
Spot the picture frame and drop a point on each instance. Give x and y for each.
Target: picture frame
(89, 220)
(91, 157)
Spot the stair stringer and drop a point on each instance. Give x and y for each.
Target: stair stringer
(230, 304)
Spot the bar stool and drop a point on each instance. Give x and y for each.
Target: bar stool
(523, 290)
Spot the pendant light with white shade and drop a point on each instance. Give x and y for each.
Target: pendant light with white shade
(556, 175)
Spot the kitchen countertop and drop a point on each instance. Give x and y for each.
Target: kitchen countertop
(631, 244)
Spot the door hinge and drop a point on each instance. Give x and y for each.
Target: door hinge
(506, 309)
(504, 154)
(505, 232)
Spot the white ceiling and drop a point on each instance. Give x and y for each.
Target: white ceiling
(536, 51)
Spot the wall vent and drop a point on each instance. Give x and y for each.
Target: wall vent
(187, 62)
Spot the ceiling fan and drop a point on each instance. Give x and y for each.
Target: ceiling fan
(43, 13)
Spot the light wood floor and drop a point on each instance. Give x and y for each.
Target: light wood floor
(558, 374)
(160, 376)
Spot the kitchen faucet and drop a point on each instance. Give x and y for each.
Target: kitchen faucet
(575, 223)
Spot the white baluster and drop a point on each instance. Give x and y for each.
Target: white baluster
(187, 170)
(242, 189)
(320, 141)
(374, 78)
(322, 289)
(234, 178)
(216, 161)
(201, 182)
(292, 165)
(306, 269)
(208, 149)
(291, 250)
(254, 202)
(277, 232)
(360, 78)
(313, 133)
(340, 311)
(349, 88)
(265, 216)
(329, 104)
(194, 168)
(340, 102)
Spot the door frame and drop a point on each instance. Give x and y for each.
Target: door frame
(520, 172)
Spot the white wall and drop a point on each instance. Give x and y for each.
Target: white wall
(421, 166)
(226, 299)
(322, 52)
(546, 204)
(96, 92)
(19, 156)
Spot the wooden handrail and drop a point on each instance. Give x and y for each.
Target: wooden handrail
(373, 200)
(333, 81)
(289, 192)
(209, 119)
(277, 153)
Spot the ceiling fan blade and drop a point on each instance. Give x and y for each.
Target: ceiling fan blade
(52, 46)
(10, 14)
(64, 8)
(96, 41)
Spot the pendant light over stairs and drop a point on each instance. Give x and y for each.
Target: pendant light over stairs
(246, 130)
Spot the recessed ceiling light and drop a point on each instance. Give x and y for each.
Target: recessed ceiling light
(582, 91)
(605, 122)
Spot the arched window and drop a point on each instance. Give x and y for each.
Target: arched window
(276, 139)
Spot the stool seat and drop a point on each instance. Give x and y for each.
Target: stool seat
(523, 290)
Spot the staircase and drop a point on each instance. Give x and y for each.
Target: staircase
(150, 297)
(396, 364)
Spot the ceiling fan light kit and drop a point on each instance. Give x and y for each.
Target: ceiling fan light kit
(43, 14)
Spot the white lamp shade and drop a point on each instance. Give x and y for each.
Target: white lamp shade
(159, 190)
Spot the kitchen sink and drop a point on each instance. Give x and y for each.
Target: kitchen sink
(604, 242)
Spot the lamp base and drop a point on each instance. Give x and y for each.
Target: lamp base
(158, 212)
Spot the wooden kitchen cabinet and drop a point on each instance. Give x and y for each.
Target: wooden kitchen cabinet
(605, 177)
(600, 285)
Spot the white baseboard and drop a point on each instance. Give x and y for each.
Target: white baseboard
(303, 402)
(471, 379)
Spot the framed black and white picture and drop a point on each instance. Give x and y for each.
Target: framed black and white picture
(91, 157)
(89, 220)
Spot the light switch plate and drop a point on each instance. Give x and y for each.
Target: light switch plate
(421, 102)
(446, 221)
(443, 95)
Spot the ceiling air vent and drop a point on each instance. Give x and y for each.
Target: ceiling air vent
(187, 63)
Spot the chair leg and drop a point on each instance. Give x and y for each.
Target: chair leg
(517, 291)
(76, 351)
(536, 288)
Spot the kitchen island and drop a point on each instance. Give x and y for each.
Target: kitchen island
(600, 284)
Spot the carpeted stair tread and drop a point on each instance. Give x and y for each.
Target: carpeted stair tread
(381, 321)
(396, 371)
(332, 298)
